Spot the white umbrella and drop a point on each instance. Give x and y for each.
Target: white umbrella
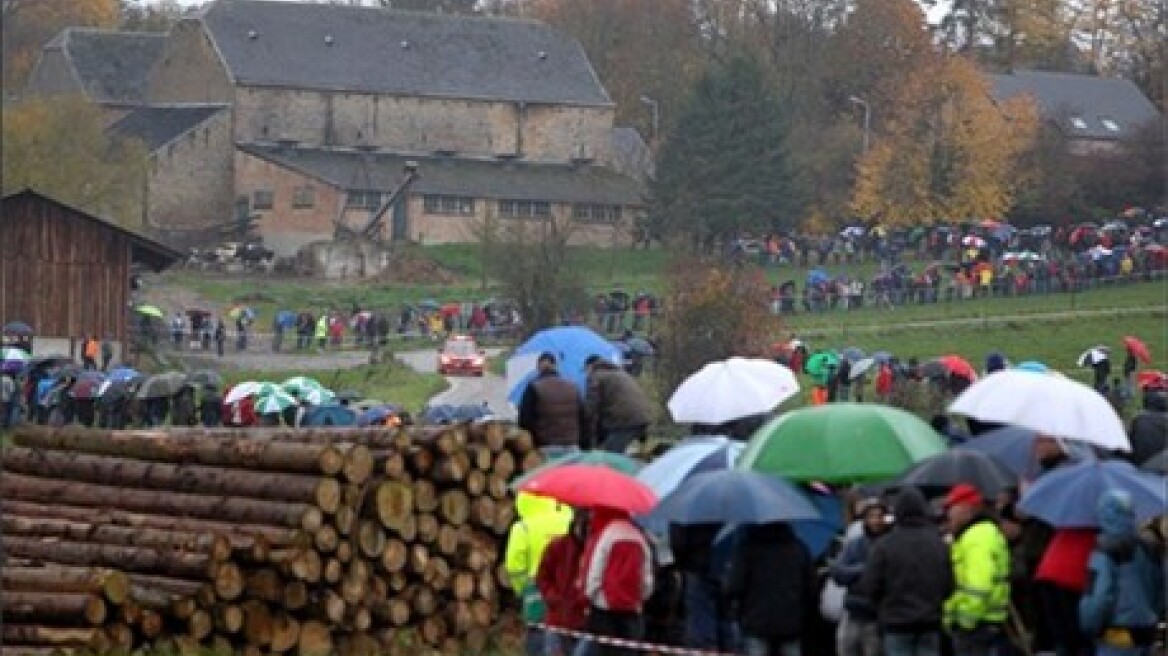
(316, 395)
(1093, 356)
(246, 389)
(731, 389)
(861, 367)
(1047, 403)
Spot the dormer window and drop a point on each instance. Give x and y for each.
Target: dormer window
(1078, 123)
(1111, 125)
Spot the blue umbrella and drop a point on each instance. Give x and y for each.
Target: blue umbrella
(571, 345)
(375, 415)
(735, 496)
(123, 374)
(1067, 496)
(852, 354)
(816, 534)
(1012, 446)
(883, 357)
(817, 276)
(285, 319)
(1034, 366)
(19, 328)
(694, 455)
(329, 415)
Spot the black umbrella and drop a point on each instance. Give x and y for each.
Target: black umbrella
(937, 474)
(1157, 463)
(162, 385)
(205, 377)
(19, 328)
(115, 390)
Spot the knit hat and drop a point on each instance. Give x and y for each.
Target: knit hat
(963, 494)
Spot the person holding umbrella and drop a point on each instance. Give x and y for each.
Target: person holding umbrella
(556, 579)
(617, 578)
(858, 632)
(1125, 597)
(772, 586)
(541, 519)
(908, 578)
(551, 410)
(975, 614)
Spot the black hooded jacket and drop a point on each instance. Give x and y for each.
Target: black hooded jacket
(909, 576)
(771, 581)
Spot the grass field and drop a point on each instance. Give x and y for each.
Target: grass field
(1051, 328)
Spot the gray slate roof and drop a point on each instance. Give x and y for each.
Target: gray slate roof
(444, 55)
(112, 67)
(158, 125)
(479, 178)
(1065, 97)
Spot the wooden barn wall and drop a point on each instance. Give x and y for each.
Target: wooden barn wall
(64, 275)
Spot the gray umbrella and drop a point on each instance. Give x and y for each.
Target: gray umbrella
(205, 377)
(162, 385)
(860, 368)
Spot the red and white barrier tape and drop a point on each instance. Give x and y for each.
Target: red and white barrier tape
(627, 644)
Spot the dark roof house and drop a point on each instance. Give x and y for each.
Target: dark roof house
(158, 125)
(457, 176)
(110, 68)
(1084, 107)
(374, 50)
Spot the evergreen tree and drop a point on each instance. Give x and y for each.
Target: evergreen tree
(725, 168)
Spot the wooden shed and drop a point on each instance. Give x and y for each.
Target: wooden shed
(67, 273)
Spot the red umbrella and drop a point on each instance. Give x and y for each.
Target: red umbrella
(1152, 380)
(1138, 348)
(958, 366)
(592, 486)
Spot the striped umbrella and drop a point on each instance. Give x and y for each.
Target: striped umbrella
(274, 402)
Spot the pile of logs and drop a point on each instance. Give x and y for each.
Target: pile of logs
(351, 541)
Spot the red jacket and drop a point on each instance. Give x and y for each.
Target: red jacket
(556, 579)
(617, 565)
(1065, 561)
(884, 380)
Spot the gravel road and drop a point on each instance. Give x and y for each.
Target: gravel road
(464, 390)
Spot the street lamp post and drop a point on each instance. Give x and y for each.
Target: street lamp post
(656, 109)
(856, 100)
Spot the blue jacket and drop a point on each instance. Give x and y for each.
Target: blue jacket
(1126, 584)
(847, 570)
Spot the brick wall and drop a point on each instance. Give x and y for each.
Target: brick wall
(286, 228)
(418, 124)
(189, 70)
(189, 180)
(438, 229)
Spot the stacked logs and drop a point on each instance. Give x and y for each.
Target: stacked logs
(351, 541)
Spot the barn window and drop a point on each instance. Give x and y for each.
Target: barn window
(525, 209)
(263, 199)
(304, 198)
(361, 199)
(594, 213)
(448, 205)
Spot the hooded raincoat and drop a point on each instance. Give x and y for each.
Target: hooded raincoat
(540, 521)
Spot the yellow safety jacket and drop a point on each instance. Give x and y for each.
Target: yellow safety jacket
(540, 521)
(981, 574)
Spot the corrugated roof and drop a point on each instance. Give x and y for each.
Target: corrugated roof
(112, 67)
(369, 49)
(459, 176)
(1084, 106)
(158, 125)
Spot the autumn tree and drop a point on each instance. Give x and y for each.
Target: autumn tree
(948, 151)
(643, 51)
(29, 24)
(59, 147)
(725, 168)
(156, 16)
(712, 312)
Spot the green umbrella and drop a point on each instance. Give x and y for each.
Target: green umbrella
(150, 311)
(300, 384)
(821, 365)
(274, 402)
(619, 462)
(841, 443)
